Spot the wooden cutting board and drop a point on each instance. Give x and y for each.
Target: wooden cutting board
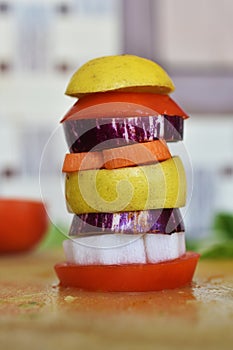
(36, 314)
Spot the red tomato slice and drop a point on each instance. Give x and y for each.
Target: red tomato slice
(129, 278)
(122, 104)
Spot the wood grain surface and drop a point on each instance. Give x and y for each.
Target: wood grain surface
(35, 313)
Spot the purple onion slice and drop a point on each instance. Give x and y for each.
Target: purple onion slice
(166, 221)
(83, 135)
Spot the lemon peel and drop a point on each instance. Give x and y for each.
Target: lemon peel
(161, 185)
(127, 73)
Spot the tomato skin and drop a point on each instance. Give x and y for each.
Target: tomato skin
(129, 278)
(23, 224)
(160, 104)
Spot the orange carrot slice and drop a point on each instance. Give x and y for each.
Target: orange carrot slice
(120, 157)
(136, 154)
(82, 161)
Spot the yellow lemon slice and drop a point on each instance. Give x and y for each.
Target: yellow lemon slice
(119, 73)
(161, 185)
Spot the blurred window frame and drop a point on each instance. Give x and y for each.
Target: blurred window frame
(200, 89)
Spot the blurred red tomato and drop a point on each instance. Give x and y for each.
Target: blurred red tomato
(23, 223)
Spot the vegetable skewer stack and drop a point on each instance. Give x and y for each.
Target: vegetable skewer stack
(122, 184)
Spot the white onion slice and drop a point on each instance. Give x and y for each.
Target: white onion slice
(105, 250)
(162, 247)
(115, 249)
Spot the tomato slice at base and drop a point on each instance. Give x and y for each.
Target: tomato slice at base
(129, 278)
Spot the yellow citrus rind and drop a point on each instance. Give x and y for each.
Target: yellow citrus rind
(127, 73)
(161, 185)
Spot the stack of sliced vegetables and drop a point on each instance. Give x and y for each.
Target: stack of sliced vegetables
(122, 183)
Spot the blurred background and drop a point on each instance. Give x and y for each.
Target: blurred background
(43, 42)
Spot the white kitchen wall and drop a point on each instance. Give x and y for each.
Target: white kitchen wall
(196, 32)
(41, 44)
(209, 141)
